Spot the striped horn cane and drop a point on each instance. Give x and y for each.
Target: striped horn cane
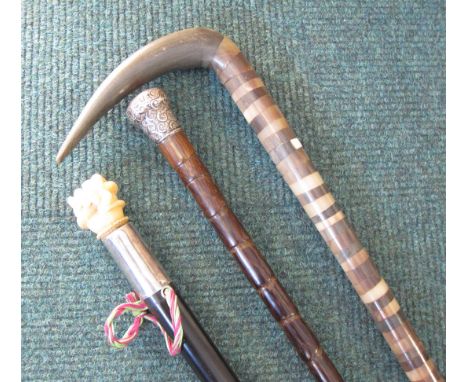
(150, 112)
(200, 47)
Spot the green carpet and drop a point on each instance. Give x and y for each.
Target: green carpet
(362, 83)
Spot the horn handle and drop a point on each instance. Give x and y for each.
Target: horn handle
(279, 140)
(151, 112)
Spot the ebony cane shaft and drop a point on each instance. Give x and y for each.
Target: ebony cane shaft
(98, 208)
(162, 127)
(285, 149)
(197, 348)
(147, 276)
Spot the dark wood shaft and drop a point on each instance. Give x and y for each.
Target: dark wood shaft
(197, 348)
(148, 278)
(278, 138)
(181, 155)
(151, 112)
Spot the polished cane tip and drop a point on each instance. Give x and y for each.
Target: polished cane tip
(62, 153)
(78, 131)
(58, 159)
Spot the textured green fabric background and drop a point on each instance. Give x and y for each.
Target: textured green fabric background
(362, 83)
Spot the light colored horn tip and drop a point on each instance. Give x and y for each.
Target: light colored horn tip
(58, 158)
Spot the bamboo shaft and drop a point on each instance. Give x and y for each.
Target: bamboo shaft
(286, 151)
(182, 157)
(151, 112)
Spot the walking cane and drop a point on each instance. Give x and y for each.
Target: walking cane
(98, 209)
(150, 111)
(200, 47)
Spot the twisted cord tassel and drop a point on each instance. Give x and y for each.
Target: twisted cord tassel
(140, 310)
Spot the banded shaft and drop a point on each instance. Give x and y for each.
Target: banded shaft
(181, 155)
(278, 138)
(150, 111)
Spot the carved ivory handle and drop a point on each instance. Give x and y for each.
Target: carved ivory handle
(97, 207)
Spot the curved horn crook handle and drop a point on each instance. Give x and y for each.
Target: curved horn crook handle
(201, 47)
(189, 48)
